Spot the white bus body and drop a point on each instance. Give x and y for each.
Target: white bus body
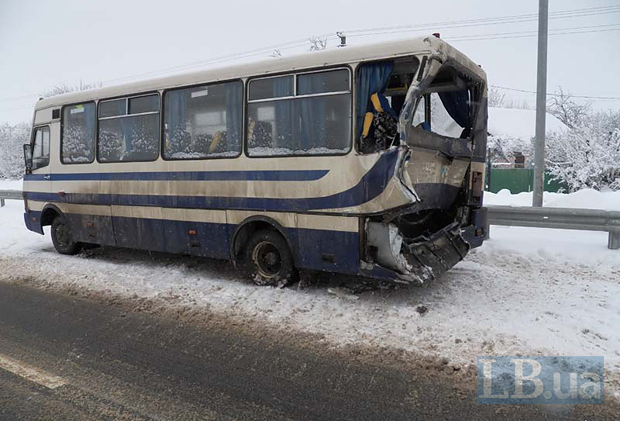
(200, 163)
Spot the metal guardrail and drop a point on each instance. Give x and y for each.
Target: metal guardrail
(10, 195)
(559, 218)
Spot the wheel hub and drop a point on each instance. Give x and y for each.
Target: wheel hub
(62, 234)
(267, 258)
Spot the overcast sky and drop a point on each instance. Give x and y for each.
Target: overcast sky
(47, 43)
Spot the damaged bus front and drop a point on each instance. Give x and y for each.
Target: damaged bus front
(439, 102)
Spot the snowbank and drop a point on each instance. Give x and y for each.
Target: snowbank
(526, 291)
(576, 247)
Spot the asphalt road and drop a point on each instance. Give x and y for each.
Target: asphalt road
(68, 358)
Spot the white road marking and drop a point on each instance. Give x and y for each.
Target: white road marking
(31, 373)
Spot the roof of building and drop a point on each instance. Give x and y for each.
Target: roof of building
(518, 123)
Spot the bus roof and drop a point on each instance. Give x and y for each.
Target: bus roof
(329, 57)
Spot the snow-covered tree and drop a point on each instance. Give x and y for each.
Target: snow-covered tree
(12, 137)
(567, 110)
(504, 148)
(588, 155)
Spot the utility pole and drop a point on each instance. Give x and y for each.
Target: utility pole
(541, 104)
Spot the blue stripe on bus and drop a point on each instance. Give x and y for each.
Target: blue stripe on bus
(370, 186)
(210, 239)
(279, 175)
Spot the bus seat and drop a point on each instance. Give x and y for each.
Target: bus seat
(367, 124)
(380, 127)
(381, 104)
(217, 138)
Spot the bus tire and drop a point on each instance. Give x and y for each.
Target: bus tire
(268, 259)
(62, 238)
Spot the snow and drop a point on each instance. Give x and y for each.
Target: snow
(517, 123)
(526, 291)
(268, 151)
(582, 199)
(585, 247)
(201, 155)
(11, 184)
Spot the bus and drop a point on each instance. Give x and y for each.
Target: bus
(361, 160)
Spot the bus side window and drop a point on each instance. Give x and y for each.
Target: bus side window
(302, 114)
(41, 148)
(129, 129)
(203, 121)
(78, 134)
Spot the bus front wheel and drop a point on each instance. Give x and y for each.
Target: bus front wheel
(62, 238)
(269, 260)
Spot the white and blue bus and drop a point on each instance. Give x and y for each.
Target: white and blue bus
(358, 160)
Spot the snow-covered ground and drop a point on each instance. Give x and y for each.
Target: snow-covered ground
(526, 291)
(575, 247)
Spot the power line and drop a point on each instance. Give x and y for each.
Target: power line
(481, 22)
(613, 25)
(605, 98)
(505, 35)
(300, 42)
(530, 34)
(15, 98)
(395, 29)
(557, 31)
(569, 13)
(216, 60)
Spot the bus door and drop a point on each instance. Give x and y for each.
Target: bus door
(37, 182)
(40, 181)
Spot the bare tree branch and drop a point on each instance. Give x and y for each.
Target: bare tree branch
(64, 88)
(318, 43)
(566, 110)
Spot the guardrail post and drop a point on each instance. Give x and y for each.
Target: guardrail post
(1, 203)
(614, 240)
(487, 232)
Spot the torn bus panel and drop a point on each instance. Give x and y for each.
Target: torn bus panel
(441, 103)
(416, 260)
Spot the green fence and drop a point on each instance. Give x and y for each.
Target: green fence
(519, 180)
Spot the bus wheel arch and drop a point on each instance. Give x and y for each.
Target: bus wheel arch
(60, 232)
(49, 213)
(249, 227)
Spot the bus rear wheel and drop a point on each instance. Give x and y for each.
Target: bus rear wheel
(62, 238)
(269, 260)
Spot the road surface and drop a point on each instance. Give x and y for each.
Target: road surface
(68, 358)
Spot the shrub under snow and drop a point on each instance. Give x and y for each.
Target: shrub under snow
(588, 155)
(11, 150)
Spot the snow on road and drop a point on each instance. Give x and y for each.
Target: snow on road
(526, 291)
